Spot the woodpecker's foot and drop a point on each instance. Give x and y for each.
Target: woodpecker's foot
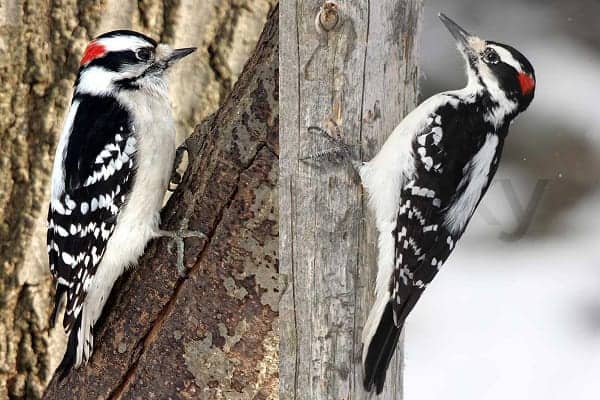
(177, 240)
(175, 175)
(339, 153)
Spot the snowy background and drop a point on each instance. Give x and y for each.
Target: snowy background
(515, 312)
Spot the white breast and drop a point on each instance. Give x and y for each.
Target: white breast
(139, 218)
(475, 179)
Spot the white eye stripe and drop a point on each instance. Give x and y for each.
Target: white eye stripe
(120, 43)
(507, 57)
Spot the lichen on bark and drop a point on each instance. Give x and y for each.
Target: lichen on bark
(40, 45)
(162, 332)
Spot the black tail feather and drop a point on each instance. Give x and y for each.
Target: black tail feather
(60, 292)
(380, 351)
(69, 358)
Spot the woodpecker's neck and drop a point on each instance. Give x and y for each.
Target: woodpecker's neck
(498, 109)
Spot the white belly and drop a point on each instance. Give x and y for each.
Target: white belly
(139, 218)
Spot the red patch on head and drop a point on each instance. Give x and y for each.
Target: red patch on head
(92, 51)
(526, 82)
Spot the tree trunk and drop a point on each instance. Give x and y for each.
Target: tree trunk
(40, 45)
(213, 334)
(352, 72)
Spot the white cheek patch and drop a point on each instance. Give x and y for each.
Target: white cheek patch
(96, 81)
(507, 58)
(99, 81)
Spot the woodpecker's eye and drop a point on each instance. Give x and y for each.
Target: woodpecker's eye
(490, 56)
(144, 54)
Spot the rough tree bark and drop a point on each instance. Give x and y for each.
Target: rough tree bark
(40, 44)
(354, 74)
(213, 334)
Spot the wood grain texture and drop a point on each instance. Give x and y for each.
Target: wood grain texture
(358, 80)
(213, 334)
(41, 42)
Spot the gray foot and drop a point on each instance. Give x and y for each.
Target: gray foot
(340, 152)
(177, 240)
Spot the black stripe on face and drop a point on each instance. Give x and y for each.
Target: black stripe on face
(115, 60)
(507, 79)
(520, 58)
(112, 61)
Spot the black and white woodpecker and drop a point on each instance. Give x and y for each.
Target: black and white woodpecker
(427, 180)
(111, 170)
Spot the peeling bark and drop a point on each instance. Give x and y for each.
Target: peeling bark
(40, 45)
(213, 334)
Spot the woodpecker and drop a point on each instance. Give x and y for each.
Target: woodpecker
(427, 180)
(111, 169)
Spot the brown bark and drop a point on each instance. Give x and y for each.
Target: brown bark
(40, 45)
(213, 334)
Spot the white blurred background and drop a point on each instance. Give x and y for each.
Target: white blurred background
(515, 313)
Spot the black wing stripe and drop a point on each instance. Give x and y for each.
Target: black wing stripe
(418, 226)
(99, 170)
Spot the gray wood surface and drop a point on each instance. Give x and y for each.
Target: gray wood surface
(358, 79)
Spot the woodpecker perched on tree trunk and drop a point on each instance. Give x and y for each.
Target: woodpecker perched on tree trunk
(111, 170)
(427, 180)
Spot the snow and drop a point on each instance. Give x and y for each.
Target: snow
(518, 317)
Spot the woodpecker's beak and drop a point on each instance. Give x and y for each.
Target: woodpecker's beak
(166, 57)
(175, 55)
(178, 54)
(467, 43)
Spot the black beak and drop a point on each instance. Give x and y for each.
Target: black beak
(463, 38)
(159, 66)
(178, 54)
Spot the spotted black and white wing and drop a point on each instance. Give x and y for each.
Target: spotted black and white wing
(92, 177)
(452, 169)
(422, 240)
(454, 165)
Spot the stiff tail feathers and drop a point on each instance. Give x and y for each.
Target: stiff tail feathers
(79, 346)
(70, 357)
(59, 299)
(378, 351)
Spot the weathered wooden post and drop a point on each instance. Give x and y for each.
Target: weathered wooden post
(350, 68)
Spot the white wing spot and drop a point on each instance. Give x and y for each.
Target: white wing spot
(61, 231)
(67, 258)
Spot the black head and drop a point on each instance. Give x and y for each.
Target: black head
(125, 58)
(501, 69)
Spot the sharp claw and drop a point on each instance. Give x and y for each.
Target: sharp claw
(177, 240)
(341, 151)
(185, 233)
(323, 133)
(326, 153)
(340, 148)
